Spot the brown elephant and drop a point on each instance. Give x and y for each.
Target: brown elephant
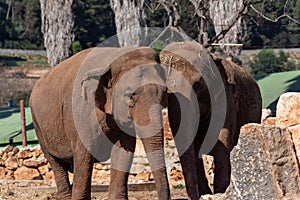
(227, 97)
(89, 108)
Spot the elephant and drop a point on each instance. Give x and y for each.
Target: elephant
(225, 104)
(90, 107)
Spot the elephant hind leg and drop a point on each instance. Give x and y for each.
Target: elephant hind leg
(60, 169)
(221, 154)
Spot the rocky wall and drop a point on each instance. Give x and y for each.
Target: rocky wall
(30, 164)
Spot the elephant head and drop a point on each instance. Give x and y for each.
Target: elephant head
(126, 95)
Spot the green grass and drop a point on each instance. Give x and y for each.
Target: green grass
(10, 124)
(276, 84)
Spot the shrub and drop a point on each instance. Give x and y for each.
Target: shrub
(76, 47)
(267, 62)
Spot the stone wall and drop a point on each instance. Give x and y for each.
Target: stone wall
(17, 82)
(15, 88)
(30, 164)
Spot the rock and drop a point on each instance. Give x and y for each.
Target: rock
(7, 149)
(6, 174)
(264, 164)
(265, 114)
(270, 121)
(25, 173)
(213, 197)
(288, 109)
(176, 175)
(295, 132)
(209, 167)
(34, 162)
(98, 166)
(49, 176)
(24, 153)
(11, 162)
(15, 150)
(43, 169)
(143, 176)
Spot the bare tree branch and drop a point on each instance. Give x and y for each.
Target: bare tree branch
(222, 34)
(285, 15)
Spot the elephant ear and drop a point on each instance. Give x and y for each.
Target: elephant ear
(97, 68)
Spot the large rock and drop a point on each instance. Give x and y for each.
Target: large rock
(26, 173)
(295, 131)
(11, 163)
(288, 109)
(264, 164)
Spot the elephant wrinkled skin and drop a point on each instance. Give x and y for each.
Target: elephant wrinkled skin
(242, 105)
(66, 144)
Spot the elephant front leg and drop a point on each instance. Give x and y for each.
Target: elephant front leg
(121, 160)
(83, 167)
(188, 163)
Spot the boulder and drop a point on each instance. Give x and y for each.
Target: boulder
(265, 114)
(11, 162)
(264, 164)
(43, 169)
(288, 109)
(295, 132)
(34, 162)
(6, 174)
(24, 153)
(26, 173)
(270, 121)
(48, 176)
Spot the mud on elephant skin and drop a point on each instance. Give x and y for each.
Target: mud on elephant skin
(90, 107)
(242, 105)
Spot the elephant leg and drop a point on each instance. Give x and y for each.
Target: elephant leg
(121, 160)
(60, 171)
(188, 162)
(83, 167)
(221, 156)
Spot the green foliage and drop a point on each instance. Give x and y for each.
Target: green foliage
(179, 186)
(158, 46)
(76, 47)
(94, 23)
(264, 33)
(267, 62)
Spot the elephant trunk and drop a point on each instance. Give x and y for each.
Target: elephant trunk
(153, 141)
(155, 153)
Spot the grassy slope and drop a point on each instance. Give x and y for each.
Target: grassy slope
(273, 85)
(10, 123)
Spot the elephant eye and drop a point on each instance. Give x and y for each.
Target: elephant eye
(130, 99)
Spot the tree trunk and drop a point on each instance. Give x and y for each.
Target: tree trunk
(129, 18)
(223, 14)
(201, 9)
(57, 25)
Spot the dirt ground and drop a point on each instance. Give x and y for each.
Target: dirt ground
(50, 194)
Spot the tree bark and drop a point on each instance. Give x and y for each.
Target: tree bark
(223, 14)
(201, 9)
(57, 26)
(130, 21)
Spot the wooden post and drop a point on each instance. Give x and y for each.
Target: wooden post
(23, 123)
